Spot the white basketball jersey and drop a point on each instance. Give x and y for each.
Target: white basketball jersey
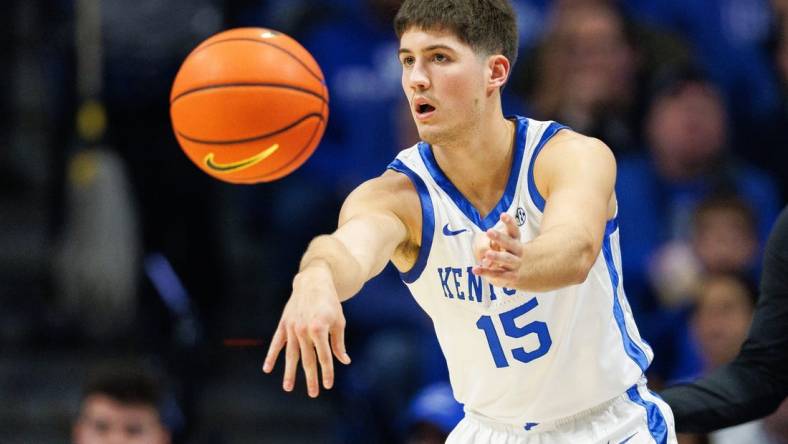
(518, 358)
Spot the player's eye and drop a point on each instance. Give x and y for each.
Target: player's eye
(408, 60)
(440, 58)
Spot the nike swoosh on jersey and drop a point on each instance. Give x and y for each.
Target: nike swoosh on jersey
(449, 232)
(630, 437)
(241, 164)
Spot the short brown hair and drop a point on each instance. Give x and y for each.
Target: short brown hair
(727, 203)
(487, 26)
(125, 385)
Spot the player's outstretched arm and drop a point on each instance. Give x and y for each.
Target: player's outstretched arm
(576, 176)
(333, 269)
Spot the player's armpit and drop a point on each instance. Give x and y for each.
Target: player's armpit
(370, 231)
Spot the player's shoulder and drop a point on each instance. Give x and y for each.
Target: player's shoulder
(568, 139)
(572, 156)
(390, 192)
(389, 185)
(570, 146)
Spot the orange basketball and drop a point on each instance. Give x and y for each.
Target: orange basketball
(249, 105)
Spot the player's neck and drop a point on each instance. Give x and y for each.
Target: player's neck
(479, 163)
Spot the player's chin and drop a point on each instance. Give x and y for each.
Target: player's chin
(428, 133)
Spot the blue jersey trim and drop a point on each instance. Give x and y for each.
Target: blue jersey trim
(656, 421)
(632, 349)
(611, 226)
(427, 220)
(548, 134)
(457, 197)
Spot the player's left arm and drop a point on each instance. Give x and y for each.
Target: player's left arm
(576, 176)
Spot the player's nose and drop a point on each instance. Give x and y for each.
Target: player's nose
(418, 78)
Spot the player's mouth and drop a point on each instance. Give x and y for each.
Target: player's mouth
(423, 109)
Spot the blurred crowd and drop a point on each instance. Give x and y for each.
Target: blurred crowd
(115, 248)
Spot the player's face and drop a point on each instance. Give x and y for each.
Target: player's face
(444, 81)
(105, 421)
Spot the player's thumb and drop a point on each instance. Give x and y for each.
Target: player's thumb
(338, 343)
(481, 243)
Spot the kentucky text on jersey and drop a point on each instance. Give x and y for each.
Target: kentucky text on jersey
(463, 285)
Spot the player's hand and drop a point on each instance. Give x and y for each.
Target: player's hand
(498, 254)
(481, 244)
(311, 327)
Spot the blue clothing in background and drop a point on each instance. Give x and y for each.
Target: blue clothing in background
(729, 38)
(676, 354)
(435, 404)
(653, 211)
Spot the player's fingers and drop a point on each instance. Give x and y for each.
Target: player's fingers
(481, 243)
(487, 272)
(489, 265)
(507, 242)
(291, 360)
(499, 278)
(319, 336)
(511, 226)
(277, 343)
(338, 342)
(308, 361)
(503, 260)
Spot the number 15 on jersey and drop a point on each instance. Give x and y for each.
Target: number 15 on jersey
(508, 321)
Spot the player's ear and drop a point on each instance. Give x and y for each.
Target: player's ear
(499, 68)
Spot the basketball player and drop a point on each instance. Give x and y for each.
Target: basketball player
(531, 317)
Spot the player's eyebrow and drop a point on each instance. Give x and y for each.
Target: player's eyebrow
(427, 49)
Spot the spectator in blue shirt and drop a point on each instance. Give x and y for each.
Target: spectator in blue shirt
(688, 159)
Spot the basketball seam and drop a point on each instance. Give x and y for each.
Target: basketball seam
(253, 84)
(293, 159)
(247, 39)
(253, 138)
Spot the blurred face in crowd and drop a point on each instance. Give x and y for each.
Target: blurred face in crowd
(106, 421)
(599, 63)
(444, 81)
(724, 241)
(780, 7)
(722, 317)
(686, 130)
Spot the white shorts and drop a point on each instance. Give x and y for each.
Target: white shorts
(636, 417)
